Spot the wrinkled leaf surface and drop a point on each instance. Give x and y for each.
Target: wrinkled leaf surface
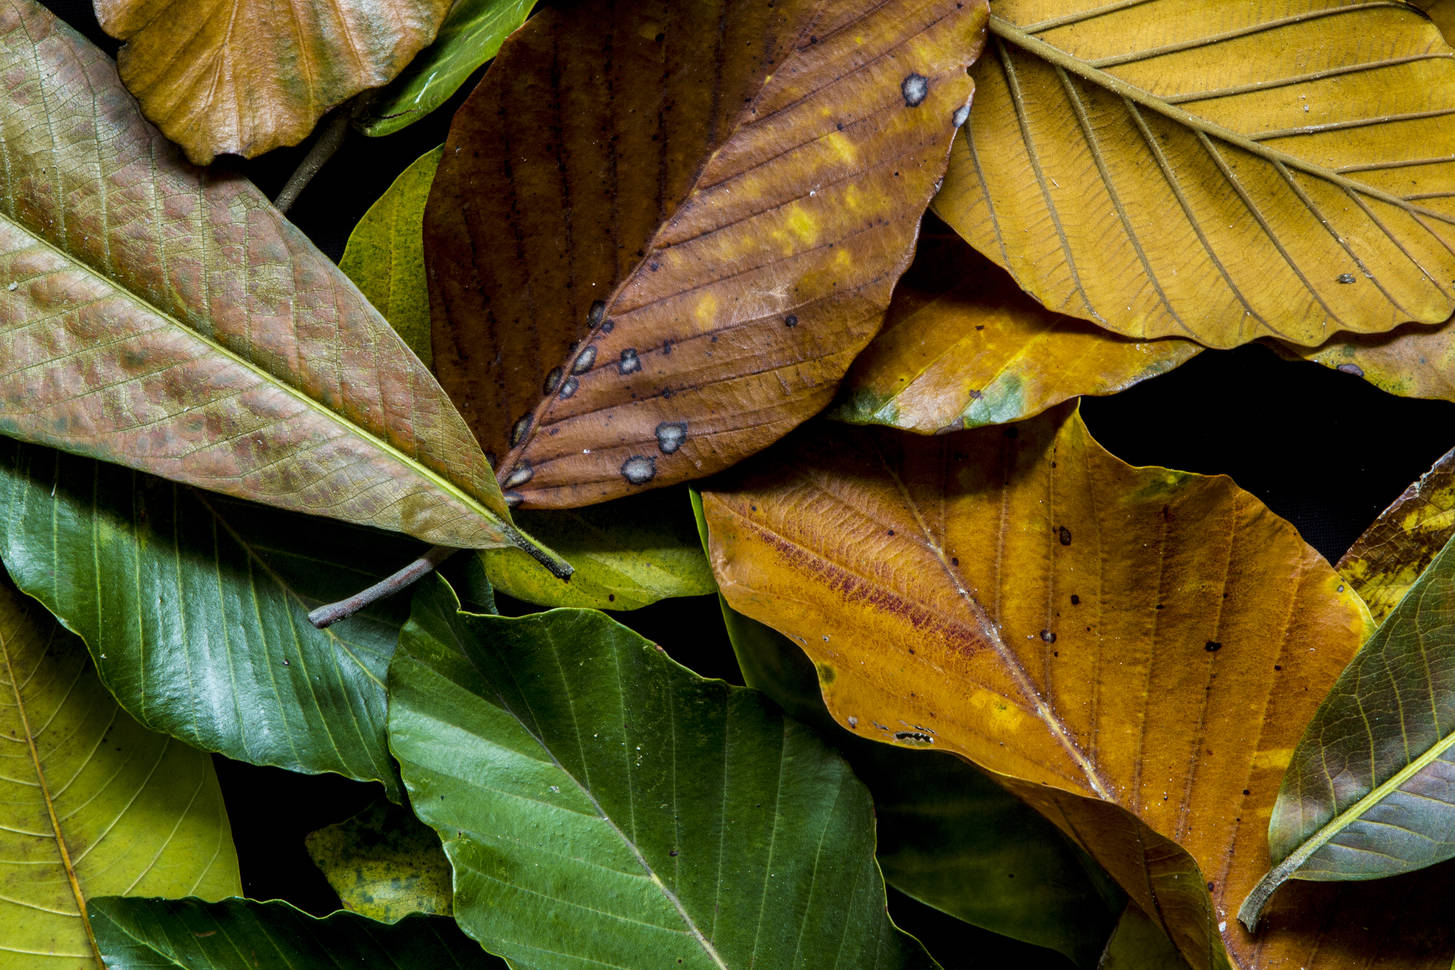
(661, 231)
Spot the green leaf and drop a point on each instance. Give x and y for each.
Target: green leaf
(90, 802)
(627, 554)
(385, 253)
(602, 804)
(195, 609)
(157, 316)
(162, 934)
(1139, 943)
(383, 864)
(1368, 792)
(471, 34)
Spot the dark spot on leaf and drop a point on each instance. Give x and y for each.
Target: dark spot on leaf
(1212, 646)
(553, 380)
(914, 88)
(608, 326)
(512, 499)
(1075, 600)
(1346, 278)
(519, 430)
(914, 737)
(1064, 535)
(666, 348)
(630, 362)
(598, 310)
(790, 321)
(1048, 636)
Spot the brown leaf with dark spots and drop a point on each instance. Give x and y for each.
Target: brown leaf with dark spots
(661, 231)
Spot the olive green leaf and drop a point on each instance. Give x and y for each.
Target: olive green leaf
(1138, 943)
(383, 864)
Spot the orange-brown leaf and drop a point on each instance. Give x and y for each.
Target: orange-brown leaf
(661, 231)
(245, 76)
(1138, 650)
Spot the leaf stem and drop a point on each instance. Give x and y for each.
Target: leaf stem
(330, 137)
(331, 613)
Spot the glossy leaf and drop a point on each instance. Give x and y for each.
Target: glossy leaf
(90, 802)
(1370, 791)
(1216, 171)
(252, 75)
(963, 346)
(1138, 943)
(647, 265)
(195, 609)
(471, 34)
(1412, 361)
(156, 316)
(1384, 563)
(384, 864)
(627, 554)
(1135, 651)
(385, 254)
(598, 800)
(188, 934)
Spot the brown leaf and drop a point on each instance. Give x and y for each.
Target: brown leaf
(963, 346)
(661, 231)
(158, 317)
(246, 76)
(1414, 360)
(1137, 650)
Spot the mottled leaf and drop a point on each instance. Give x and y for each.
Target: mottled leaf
(246, 76)
(384, 864)
(241, 934)
(1413, 360)
(166, 319)
(385, 254)
(1212, 170)
(963, 346)
(90, 802)
(471, 34)
(602, 805)
(661, 231)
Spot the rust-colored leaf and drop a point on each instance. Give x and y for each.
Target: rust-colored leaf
(661, 231)
(246, 76)
(1137, 649)
(1385, 561)
(963, 346)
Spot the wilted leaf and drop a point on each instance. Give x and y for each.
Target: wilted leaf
(384, 864)
(385, 254)
(1213, 170)
(156, 316)
(471, 34)
(195, 609)
(1138, 943)
(90, 802)
(963, 346)
(188, 934)
(246, 76)
(1414, 360)
(596, 799)
(661, 231)
(1136, 649)
(1393, 552)
(626, 554)
(1369, 790)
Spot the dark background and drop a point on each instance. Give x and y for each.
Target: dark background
(1323, 449)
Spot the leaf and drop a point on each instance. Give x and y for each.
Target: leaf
(995, 594)
(384, 864)
(1368, 792)
(251, 75)
(598, 800)
(145, 934)
(1412, 361)
(1218, 171)
(195, 609)
(90, 802)
(1386, 561)
(1442, 12)
(646, 265)
(963, 346)
(471, 34)
(174, 322)
(385, 254)
(627, 554)
(1138, 943)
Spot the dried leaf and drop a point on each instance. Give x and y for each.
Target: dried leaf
(660, 231)
(1213, 170)
(1413, 360)
(246, 76)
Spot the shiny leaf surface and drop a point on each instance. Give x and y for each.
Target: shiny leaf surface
(246, 76)
(1135, 650)
(384, 864)
(1370, 791)
(240, 934)
(385, 254)
(598, 800)
(963, 346)
(1216, 171)
(471, 34)
(195, 609)
(647, 265)
(159, 317)
(90, 802)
